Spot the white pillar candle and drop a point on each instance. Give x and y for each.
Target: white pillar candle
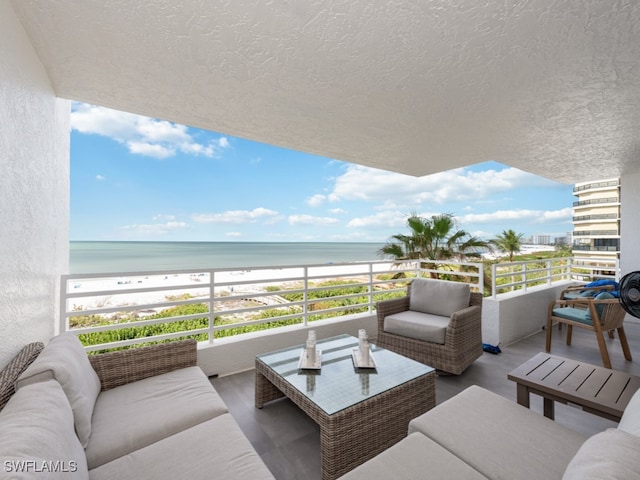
(311, 352)
(365, 351)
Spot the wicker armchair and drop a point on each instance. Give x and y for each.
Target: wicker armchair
(462, 339)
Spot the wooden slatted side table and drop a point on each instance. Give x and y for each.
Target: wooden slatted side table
(597, 390)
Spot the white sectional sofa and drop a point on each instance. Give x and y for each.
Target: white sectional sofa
(480, 435)
(141, 413)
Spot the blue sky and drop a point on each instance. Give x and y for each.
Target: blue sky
(137, 178)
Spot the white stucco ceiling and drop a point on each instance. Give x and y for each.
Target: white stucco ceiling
(551, 87)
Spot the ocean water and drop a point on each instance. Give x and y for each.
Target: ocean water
(107, 257)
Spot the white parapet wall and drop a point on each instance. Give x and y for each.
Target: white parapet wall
(513, 316)
(236, 354)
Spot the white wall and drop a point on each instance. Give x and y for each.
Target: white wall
(513, 316)
(34, 192)
(237, 354)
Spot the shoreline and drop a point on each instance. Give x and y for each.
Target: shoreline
(106, 291)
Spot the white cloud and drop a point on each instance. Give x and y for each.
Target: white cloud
(236, 217)
(233, 234)
(164, 217)
(141, 135)
(337, 211)
(150, 150)
(395, 189)
(380, 220)
(311, 220)
(155, 228)
(532, 216)
(100, 177)
(316, 200)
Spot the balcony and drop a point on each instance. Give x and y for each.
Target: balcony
(606, 217)
(596, 233)
(597, 202)
(607, 185)
(281, 433)
(289, 442)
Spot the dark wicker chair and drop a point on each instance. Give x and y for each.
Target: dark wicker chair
(463, 337)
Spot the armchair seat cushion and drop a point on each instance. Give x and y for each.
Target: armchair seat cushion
(572, 313)
(418, 325)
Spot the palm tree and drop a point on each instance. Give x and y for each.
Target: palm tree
(508, 241)
(434, 238)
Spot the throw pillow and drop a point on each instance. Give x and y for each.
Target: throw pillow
(599, 308)
(630, 421)
(610, 455)
(65, 360)
(38, 439)
(14, 369)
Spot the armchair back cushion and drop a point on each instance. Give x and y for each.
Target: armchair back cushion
(65, 360)
(438, 297)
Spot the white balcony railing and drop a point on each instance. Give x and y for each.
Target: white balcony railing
(513, 276)
(123, 309)
(119, 310)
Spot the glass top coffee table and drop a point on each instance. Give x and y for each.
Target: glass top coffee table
(361, 412)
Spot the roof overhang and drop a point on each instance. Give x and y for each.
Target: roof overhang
(416, 87)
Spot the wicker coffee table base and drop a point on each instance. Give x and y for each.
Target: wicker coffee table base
(352, 436)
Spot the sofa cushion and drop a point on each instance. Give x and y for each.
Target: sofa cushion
(498, 437)
(610, 455)
(14, 369)
(630, 421)
(216, 448)
(438, 297)
(421, 326)
(411, 459)
(65, 360)
(137, 414)
(38, 438)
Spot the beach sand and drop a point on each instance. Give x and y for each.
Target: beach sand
(88, 293)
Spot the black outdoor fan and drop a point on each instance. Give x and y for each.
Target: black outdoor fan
(630, 293)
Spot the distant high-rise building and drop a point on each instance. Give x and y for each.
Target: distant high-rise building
(596, 227)
(541, 239)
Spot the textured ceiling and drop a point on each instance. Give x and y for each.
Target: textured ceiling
(551, 87)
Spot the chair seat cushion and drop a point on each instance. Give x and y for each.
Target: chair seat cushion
(572, 313)
(421, 326)
(140, 413)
